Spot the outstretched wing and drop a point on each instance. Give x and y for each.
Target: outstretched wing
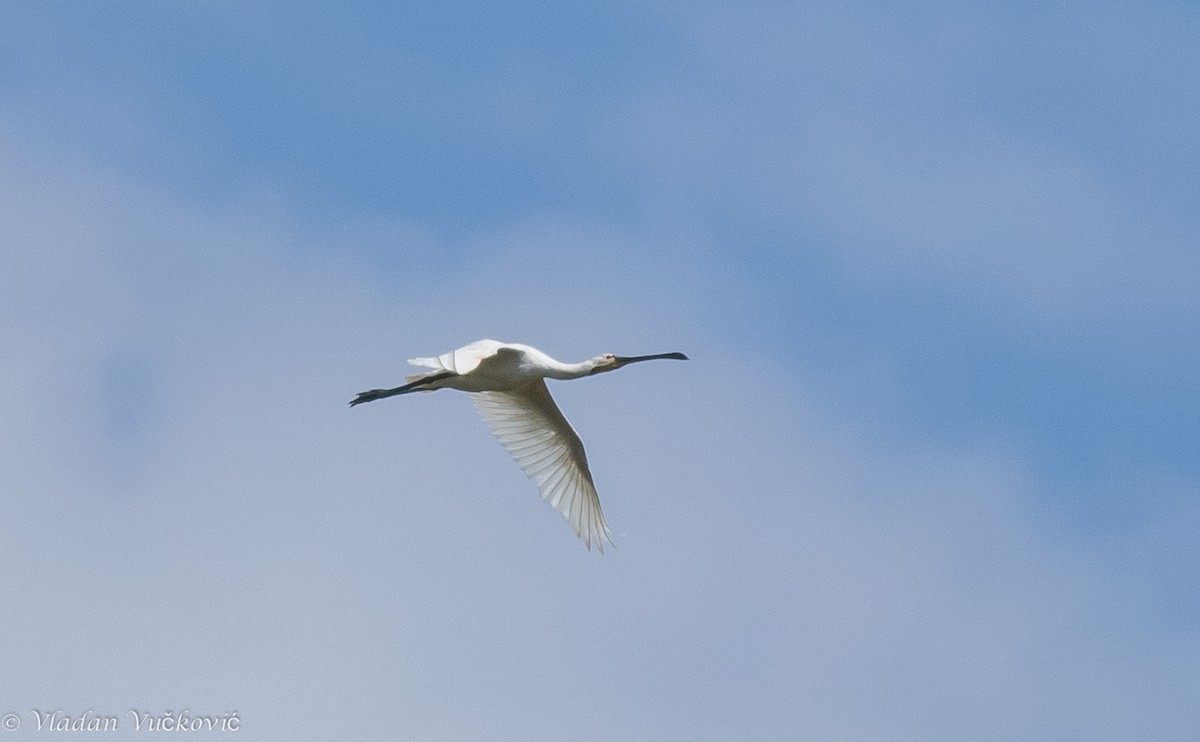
(534, 432)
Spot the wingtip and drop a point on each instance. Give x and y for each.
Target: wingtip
(602, 540)
(600, 536)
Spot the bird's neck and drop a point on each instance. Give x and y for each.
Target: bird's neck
(559, 370)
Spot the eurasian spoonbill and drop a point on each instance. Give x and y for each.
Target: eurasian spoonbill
(507, 385)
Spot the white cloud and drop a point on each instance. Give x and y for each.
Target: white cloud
(328, 571)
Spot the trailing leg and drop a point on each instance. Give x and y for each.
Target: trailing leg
(414, 386)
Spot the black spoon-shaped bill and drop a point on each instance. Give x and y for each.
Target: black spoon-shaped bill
(624, 360)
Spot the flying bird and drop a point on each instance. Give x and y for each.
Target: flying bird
(507, 384)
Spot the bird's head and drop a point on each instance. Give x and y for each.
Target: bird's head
(610, 362)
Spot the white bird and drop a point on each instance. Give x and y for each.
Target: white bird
(507, 384)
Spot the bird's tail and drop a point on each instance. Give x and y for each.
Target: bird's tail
(416, 383)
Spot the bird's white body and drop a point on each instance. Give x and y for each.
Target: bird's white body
(492, 366)
(507, 384)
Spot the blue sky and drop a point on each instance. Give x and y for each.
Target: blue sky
(931, 473)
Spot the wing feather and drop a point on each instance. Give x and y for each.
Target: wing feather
(546, 448)
(462, 361)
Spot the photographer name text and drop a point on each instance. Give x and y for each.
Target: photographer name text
(58, 720)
